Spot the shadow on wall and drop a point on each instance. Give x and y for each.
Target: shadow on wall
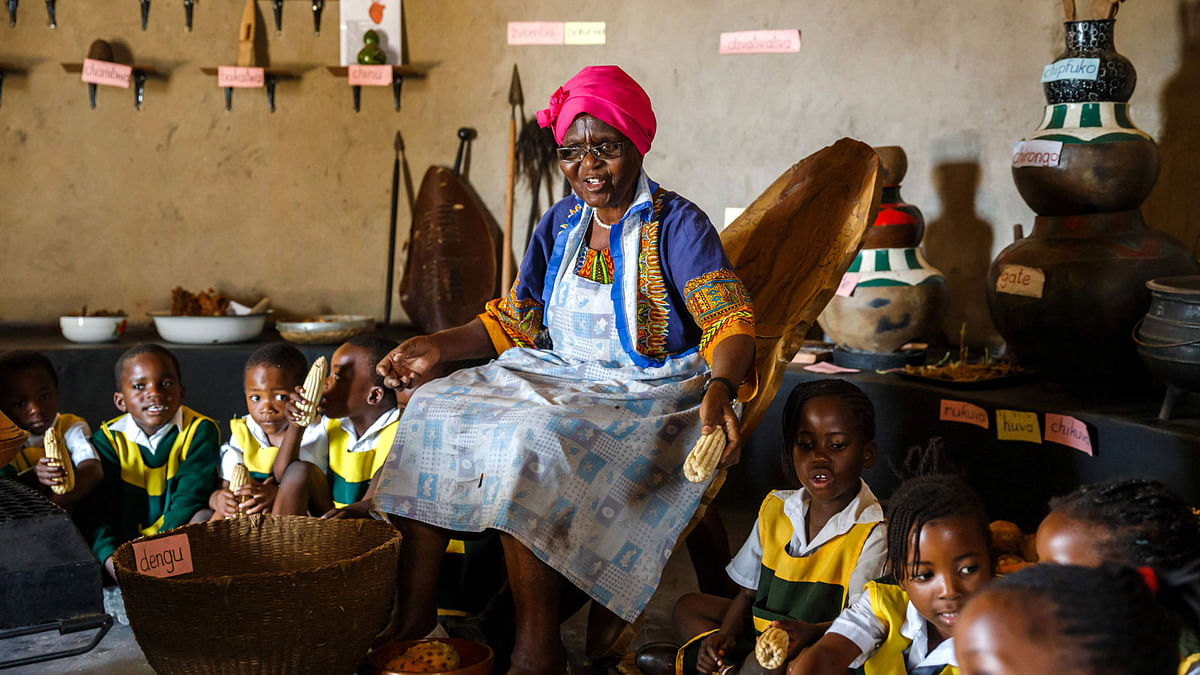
(959, 243)
(1174, 205)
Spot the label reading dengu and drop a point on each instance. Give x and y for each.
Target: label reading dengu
(1071, 69)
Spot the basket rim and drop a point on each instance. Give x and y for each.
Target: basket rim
(393, 540)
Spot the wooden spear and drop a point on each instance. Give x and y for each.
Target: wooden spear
(515, 98)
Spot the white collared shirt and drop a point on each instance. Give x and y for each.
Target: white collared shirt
(314, 445)
(859, 624)
(371, 436)
(746, 566)
(128, 426)
(76, 438)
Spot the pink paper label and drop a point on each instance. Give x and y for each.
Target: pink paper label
(1068, 431)
(827, 368)
(163, 557)
(109, 74)
(761, 42)
(536, 32)
(237, 76)
(961, 411)
(371, 76)
(848, 284)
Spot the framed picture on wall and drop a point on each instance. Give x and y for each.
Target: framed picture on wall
(360, 16)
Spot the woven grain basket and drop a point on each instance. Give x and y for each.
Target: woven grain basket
(267, 594)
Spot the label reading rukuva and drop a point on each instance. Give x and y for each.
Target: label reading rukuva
(961, 411)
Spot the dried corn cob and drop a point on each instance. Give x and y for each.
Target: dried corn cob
(314, 387)
(702, 461)
(56, 452)
(239, 477)
(771, 648)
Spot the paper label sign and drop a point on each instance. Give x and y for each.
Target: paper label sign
(1068, 431)
(1071, 69)
(1021, 280)
(961, 411)
(237, 76)
(370, 76)
(1015, 425)
(583, 33)
(163, 557)
(827, 368)
(847, 285)
(760, 42)
(1037, 153)
(106, 73)
(536, 32)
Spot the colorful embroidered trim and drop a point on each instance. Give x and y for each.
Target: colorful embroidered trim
(521, 319)
(653, 306)
(594, 265)
(720, 304)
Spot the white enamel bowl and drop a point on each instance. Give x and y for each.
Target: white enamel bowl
(208, 330)
(92, 328)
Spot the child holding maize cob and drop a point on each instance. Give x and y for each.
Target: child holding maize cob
(159, 457)
(271, 380)
(812, 550)
(363, 417)
(29, 395)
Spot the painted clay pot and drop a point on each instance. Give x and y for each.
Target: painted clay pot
(1105, 164)
(899, 298)
(1067, 297)
(1099, 73)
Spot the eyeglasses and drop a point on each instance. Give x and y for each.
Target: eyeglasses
(575, 153)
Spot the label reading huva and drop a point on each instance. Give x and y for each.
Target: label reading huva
(1071, 69)
(1017, 425)
(1021, 280)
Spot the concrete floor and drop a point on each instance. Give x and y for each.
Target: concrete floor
(119, 654)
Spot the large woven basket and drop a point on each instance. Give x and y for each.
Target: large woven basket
(267, 594)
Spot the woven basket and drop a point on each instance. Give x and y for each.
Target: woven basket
(267, 594)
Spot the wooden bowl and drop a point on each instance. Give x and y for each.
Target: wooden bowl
(475, 658)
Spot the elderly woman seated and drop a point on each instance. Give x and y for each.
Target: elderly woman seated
(625, 337)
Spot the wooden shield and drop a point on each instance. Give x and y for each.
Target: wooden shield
(791, 247)
(451, 267)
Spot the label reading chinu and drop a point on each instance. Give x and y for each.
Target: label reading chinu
(1071, 69)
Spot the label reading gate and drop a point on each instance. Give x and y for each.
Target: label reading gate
(1021, 280)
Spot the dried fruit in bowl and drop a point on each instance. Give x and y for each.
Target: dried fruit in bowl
(427, 657)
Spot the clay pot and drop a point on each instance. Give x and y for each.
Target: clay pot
(1067, 297)
(1114, 76)
(1168, 338)
(897, 225)
(1106, 163)
(899, 298)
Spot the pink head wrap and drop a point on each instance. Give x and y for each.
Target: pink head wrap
(608, 94)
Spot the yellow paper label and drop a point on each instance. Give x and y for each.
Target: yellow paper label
(1016, 425)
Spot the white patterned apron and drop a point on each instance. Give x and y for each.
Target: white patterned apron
(575, 451)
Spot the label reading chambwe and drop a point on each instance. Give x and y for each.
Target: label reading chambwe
(106, 73)
(961, 411)
(1016, 425)
(164, 556)
(1071, 69)
(761, 42)
(1037, 153)
(238, 76)
(1021, 280)
(1068, 431)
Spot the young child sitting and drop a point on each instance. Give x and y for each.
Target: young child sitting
(811, 550)
(939, 555)
(1070, 620)
(1132, 522)
(159, 457)
(362, 427)
(271, 379)
(29, 396)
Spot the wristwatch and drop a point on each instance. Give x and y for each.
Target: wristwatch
(729, 386)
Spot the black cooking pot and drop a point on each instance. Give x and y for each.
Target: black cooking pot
(1168, 337)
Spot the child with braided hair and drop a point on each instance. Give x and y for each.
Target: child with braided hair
(1070, 620)
(1134, 522)
(939, 555)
